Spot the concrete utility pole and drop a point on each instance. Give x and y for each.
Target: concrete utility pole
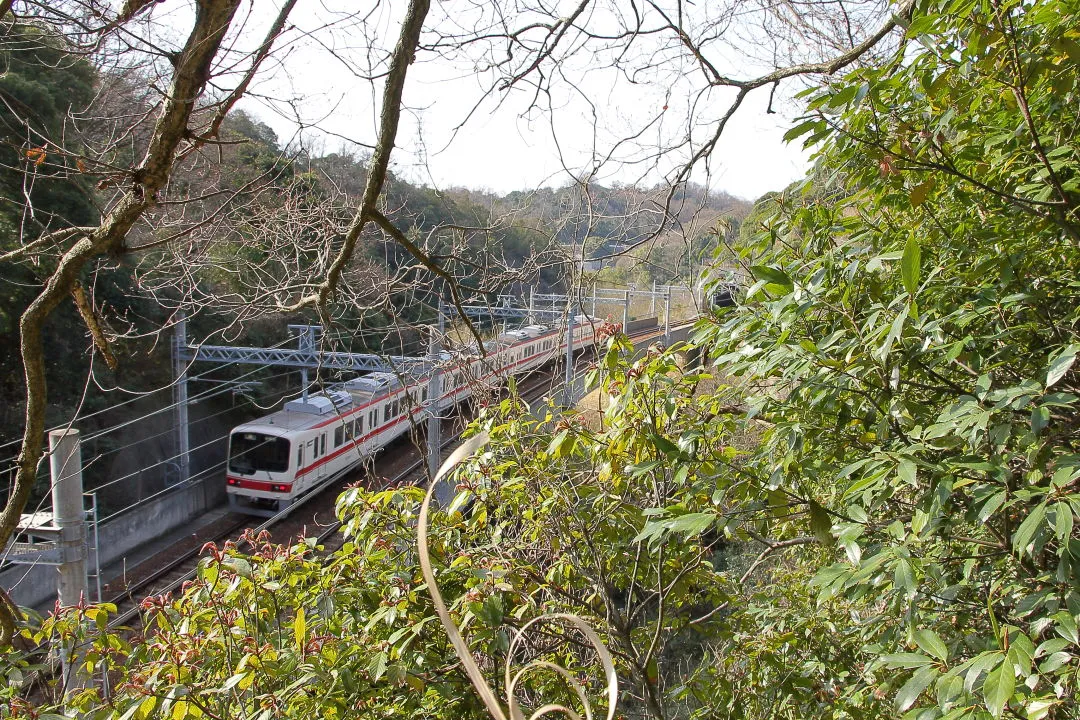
(626, 310)
(532, 308)
(180, 399)
(444, 493)
(65, 466)
(652, 300)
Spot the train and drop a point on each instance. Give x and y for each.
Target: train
(312, 441)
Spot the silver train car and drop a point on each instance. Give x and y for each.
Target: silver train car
(310, 442)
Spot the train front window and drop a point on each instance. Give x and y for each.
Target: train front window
(255, 452)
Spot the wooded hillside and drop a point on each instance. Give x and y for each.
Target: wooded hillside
(863, 504)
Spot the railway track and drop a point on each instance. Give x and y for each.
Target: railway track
(402, 463)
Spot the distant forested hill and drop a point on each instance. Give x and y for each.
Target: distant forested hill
(265, 214)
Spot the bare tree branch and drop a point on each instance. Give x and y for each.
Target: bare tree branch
(192, 71)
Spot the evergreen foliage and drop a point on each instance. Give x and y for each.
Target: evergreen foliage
(865, 506)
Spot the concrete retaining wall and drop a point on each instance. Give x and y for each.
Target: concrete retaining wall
(636, 326)
(121, 537)
(681, 334)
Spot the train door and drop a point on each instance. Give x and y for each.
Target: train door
(311, 452)
(323, 467)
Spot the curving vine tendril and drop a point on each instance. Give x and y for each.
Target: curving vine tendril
(512, 708)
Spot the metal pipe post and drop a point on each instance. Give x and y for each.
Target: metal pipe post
(667, 318)
(532, 308)
(65, 466)
(180, 399)
(306, 342)
(652, 300)
(568, 391)
(444, 494)
(626, 311)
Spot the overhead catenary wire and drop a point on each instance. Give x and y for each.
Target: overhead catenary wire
(324, 337)
(208, 394)
(164, 491)
(167, 460)
(200, 396)
(338, 336)
(163, 461)
(139, 397)
(156, 411)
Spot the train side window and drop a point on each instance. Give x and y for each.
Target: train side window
(313, 445)
(322, 449)
(300, 456)
(339, 435)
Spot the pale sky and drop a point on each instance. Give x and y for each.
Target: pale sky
(508, 147)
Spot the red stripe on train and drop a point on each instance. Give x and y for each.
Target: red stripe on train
(264, 485)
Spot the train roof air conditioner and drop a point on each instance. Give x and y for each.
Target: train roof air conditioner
(314, 405)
